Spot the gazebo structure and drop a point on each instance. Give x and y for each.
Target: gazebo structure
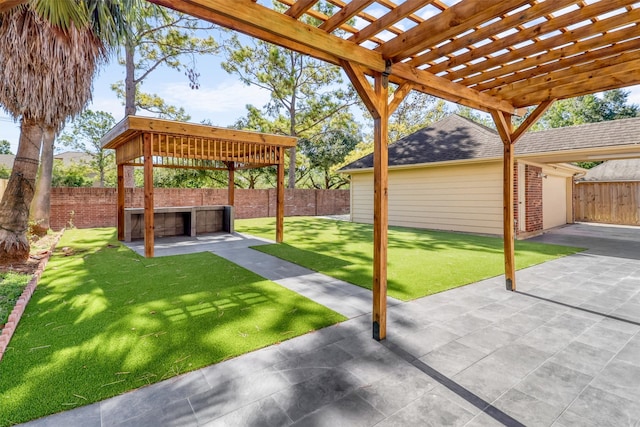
(496, 56)
(150, 142)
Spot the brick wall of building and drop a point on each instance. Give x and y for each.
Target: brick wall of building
(533, 197)
(96, 207)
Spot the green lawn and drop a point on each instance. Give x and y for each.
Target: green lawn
(11, 287)
(105, 320)
(421, 262)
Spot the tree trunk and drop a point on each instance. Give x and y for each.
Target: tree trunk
(129, 101)
(14, 208)
(41, 205)
(292, 168)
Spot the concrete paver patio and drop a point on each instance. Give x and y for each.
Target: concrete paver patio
(563, 350)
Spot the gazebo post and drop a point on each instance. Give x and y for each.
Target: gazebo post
(148, 196)
(231, 194)
(120, 203)
(280, 198)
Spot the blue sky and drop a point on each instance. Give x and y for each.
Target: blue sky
(221, 97)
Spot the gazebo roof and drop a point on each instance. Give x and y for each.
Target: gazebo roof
(188, 145)
(490, 55)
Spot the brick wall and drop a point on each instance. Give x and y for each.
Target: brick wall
(533, 197)
(96, 207)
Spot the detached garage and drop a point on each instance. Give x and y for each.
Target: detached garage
(449, 176)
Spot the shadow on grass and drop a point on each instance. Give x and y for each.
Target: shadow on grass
(105, 320)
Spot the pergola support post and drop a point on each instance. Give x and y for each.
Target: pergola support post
(509, 137)
(381, 106)
(231, 195)
(148, 197)
(280, 198)
(120, 203)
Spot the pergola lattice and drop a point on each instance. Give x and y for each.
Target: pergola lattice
(149, 142)
(496, 56)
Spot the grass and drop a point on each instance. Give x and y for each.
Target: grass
(105, 320)
(11, 287)
(420, 262)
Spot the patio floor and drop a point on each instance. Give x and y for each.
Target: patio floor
(563, 350)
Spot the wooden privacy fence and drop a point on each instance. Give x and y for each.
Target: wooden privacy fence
(607, 202)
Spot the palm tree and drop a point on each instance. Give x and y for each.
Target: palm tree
(46, 75)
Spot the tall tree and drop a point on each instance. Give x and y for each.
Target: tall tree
(325, 151)
(5, 147)
(305, 93)
(156, 37)
(610, 105)
(45, 78)
(85, 134)
(416, 111)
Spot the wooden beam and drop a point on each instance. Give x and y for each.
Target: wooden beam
(148, 197)
(377, 101)
(400, 12)
(344, 14)
(243, 14)
(530, 120)
(358, 78)
(450, 91)
(120, 203)
(231, 197)
(280, 199)
(616, 79)
(285, 31)
(454, 20)
(503, 124)
(398, 96)
(380, 210)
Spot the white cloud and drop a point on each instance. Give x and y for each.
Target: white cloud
(224, 102)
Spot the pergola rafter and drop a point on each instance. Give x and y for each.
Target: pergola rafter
(495, 56)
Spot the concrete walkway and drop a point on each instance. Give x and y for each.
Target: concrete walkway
(563, 350)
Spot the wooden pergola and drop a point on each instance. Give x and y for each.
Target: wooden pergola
(149, 142)
(495, 56)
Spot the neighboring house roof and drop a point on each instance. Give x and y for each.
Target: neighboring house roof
(69, 157)
(6, 160)
(614, 170)
(456, 138)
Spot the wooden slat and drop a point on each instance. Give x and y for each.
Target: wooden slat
(554, 66)
(344, 14)
(400, 12)
(449, 23)
(534, 57)
(467, 41)
(300, 7)
(531, 33)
